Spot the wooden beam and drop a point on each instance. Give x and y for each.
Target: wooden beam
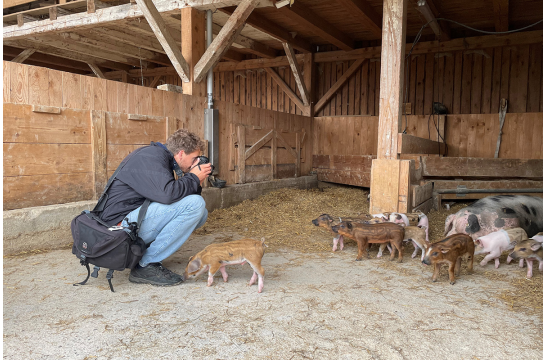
(225, 38)
(155, 81)
(409, 144)
(24, 18)
(309, 78)
(67, 54)
(161, 71)
(501, 14)
(286, 88)
(84, 20)
(193, 25)
(256, 64)
(351, 70)
(251, 46)
(25, 54)
(93, 5)
(47, 59)
(429, 47)
(305, 17)
(126, 37)
(97, 71)
(445, 28)
(11, 3)
(365, 15)
(274, 30)
(297, 73)
(391, 77)
(423, 6)
(482, 167)
(157, 24)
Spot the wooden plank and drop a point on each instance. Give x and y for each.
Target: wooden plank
(22, 125)
(55, 88)
(98, 149)
(425, 207)
(488, 63)
(505, 75)
(355, 178)
(7, 81)
(160, 29)
(337, 85)
(285, 87)
(384, 186)
(258, 144)
(421, 193)
(46, 109)
(19, 84)
(122, 131)
(274, 154)
(482, 167)
(297, 74)
(241, 141)
(465, 103)
(501, 15)
(193, 26)
(429, 84)
(298, 154)
(420, 81)
(46, 189)
(476, 84)
(404, 204)
(535, 65)
(496, 81)
(38, 85)
(365, 88)
(25, 54)
(518, 81)
(409, 144)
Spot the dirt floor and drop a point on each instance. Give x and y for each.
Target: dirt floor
(315, 304)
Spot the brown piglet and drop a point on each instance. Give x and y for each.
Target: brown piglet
(215, 257)
(450, 251)
(365, 234)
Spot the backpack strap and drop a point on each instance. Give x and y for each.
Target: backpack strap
(88, 273)
(109, 276)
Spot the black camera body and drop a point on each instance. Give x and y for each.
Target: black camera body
(204, 160)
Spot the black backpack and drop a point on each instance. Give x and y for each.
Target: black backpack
(111, 247)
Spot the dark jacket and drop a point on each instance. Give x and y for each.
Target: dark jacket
(147, 174)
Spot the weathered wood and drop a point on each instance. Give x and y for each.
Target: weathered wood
(385, 182)
(25, 54)
(193, 47)
(285, 87)
(99, 151)
(160, 29)
(153, 83)
(409, 144)
(96, 70)
(257, 145)
(487, 184)
(481, 168)
(355, 178)
(320, 104)
(241, 141)
(224, 39)
(172, 124)
(172, 88)
(365, 14)
(297, 74)
(421, 193)
(426, 10)
(298, 155)
(425, 207)
(391, 77)
(250, 45)
(404, 204)
(46, 109)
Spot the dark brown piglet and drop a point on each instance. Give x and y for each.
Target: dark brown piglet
(450, 251)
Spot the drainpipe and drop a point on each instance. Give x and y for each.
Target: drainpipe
(211, 115)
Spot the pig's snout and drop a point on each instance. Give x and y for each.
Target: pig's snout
(426, 261)
(335, 229)
(315, 222)
(514, 255)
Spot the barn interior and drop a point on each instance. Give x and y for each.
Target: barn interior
(421, 103)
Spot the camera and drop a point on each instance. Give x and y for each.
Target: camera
(204, 160)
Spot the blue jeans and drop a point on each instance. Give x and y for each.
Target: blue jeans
(167, 227)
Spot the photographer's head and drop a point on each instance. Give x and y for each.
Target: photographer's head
(186, 148)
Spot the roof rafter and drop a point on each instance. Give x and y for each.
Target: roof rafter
(365, 14)
(501, 14)
(319, 26)
(250, 45)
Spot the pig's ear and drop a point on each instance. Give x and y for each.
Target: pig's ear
(478, 242)
(194, 266)
(445, 250)
(535, 246)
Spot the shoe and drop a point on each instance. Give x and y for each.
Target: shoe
(155, 274)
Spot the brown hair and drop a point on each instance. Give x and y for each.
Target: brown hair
(184, 140)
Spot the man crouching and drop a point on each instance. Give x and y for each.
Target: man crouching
(176, 209)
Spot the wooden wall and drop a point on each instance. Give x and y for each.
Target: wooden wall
(48, 158)
(467, 82)
(467, 135)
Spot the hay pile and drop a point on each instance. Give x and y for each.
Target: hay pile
(284, 217)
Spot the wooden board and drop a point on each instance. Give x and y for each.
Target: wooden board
(421, 193)
(481, 167)
(390, 184)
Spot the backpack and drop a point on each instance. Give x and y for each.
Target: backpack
(111, 247)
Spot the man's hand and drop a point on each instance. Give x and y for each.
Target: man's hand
(202, 173)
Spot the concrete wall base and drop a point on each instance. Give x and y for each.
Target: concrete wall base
(48, 227)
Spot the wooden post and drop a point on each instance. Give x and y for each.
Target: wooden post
(298, 152)
(390, 177)
(98, 148)
(394, 25)
(241, 133)
(308, 77)
(193, 47)
(274, 145)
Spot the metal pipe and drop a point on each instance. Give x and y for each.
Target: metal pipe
(486, 191)
(210, 75)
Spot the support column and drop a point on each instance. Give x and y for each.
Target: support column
(193, 47)
(308, 77)
(390, 177)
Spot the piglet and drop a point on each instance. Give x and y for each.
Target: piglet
(217, 256)
(530, 250)
(424, 223)
(497, 242)
(450, 251)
